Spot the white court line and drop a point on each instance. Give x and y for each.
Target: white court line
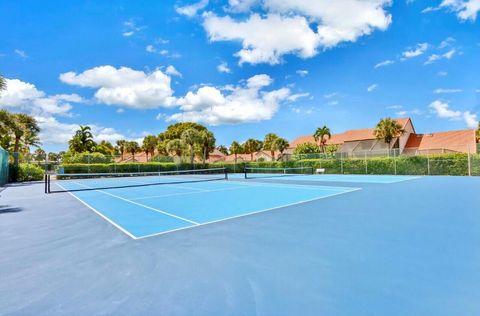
(294, 186)
(126, 232)
(142, 205)
(312, 178)
(186, 193)
(248, 214)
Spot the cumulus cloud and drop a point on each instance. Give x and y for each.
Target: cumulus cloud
(172, 71)
(247, 102)
(372, 87)
(443, 110)
(302, 72)
(53, 132)
(125, 86)
(465, 9)
(384, 63)
(191, 10)
(286, 28)
(436, 57)
(223, 68)
(439, 91)
(417, 51)
(25, 97)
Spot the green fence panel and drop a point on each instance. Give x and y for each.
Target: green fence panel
(3, 166)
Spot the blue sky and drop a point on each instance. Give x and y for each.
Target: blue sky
(242, 67)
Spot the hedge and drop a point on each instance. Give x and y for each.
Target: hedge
(25, 172)
(446, 164)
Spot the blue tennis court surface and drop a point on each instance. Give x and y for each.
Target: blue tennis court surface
(151, 210)
(331, 177)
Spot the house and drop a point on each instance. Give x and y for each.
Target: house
(363, 141)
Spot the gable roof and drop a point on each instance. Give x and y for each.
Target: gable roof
(460, 141)
(347, 136)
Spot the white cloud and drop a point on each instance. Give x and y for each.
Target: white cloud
(446, 42)
(172, 71)
(372, 87)
(465, 9)
(223, 68)
(130, 28)
(53, 132)
(436, 57)
(442, 110)
(384, 63)
(20, 53)
(439, 91)
(471, 119)
(302, 72)
(286, 28)
(330, 95)
(442, 73)
(248, 102)
(395, 107)
(191, 10)
(25, 97)
(408, 112)
(417, 51)
(125, 86)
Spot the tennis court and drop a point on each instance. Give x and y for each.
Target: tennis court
(308, 248)
(148, 204)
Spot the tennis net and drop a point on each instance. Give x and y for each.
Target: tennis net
(70, 182)
(253, 173)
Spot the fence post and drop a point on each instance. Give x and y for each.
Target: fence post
(428, 161)
(341, 162)
(469, 163)
(366, 164)
(394, 164)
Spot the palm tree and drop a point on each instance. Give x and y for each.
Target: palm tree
(235, 149)
(82, 141)
(175, 147)
(477, 133)
(121, 147)
(23, 129)
(321, 135)
(39, 154)
(3, 83)
(269, 144)
(207, 141)
(132, 147)
(191, 137)
(387, 129)
(251, 146)
(281, 144)
(223, 149)
(149, 144)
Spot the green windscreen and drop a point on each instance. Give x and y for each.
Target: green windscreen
(3, 166)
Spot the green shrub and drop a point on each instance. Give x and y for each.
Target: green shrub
(70, 158)
(29, 172)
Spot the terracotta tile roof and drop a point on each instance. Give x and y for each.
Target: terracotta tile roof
(348, 136)
(460, 141)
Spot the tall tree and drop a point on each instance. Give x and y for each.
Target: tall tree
(132, 147)
(176, 130)
(121, 147)
(162, 147)
(106, 148)
(281, 144)
(322, 134)
(3, 84)
(82, 141)
(149, 144)
(251, 146)
(191, 137)
(235, 149)
(39, 154)
(269, 143)
(477, 133)
(175, 147)
(207, 141)
(387, 129)
(53, 157)
(21, 129)
(223, 149)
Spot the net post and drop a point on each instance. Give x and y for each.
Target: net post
(226, 173)
(45, 179)
(48, 184)
(245, 171)
(469, 162)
